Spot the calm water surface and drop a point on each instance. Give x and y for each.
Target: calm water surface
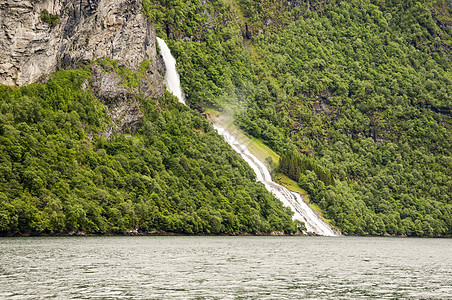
(225, 268)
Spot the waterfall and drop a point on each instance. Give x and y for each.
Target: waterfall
(291, 199)
(172, 80)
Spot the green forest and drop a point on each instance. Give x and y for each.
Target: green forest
(356, 97)
(174, 174)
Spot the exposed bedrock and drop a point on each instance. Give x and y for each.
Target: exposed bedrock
(38, 37)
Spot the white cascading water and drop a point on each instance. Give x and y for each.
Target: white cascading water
(172, 79)
(291, 199)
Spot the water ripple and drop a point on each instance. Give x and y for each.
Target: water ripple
(225, 268)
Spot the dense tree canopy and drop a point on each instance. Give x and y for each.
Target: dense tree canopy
(175, 174)
(362, 89)
(355, 97)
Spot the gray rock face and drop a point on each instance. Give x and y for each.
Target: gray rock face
(85, 30)
(122, 104)
(31, 48)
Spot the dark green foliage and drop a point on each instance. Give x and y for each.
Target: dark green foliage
(175, 174)
(217, 70)
(369, 109)
(190, 18)
(294, 165)
(364, 87)
(173, 15)
(49, 18)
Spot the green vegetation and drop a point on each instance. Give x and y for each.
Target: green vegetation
(361, 89)
(353, 96)
(130, 79)
(49, 18)
(254, 145)
(295, 166)
(175, 174)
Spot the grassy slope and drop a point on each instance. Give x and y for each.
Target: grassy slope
(255, 145)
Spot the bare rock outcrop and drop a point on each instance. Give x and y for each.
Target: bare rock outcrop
(84, 30)
(120, 100)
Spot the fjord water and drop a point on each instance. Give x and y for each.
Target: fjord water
(302, 211)
(196, 267)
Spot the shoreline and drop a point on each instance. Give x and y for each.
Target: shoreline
(152, 233)
(164, 233)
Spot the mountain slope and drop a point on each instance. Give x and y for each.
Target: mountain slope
(100, 147)
(172, 172)
(359, 89)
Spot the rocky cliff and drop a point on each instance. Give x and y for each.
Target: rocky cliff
(37, 37)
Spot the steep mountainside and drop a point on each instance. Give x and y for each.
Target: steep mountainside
(354, 95)
(38, 37)
(98, 146)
